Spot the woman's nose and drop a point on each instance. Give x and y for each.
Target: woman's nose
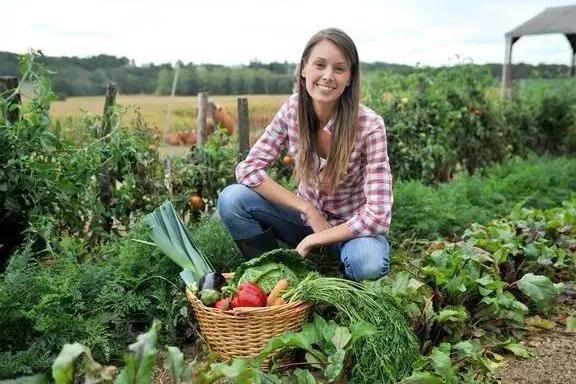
(327, 75)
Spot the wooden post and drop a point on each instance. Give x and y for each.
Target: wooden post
(507, 69)
(105, 179)
(243, 126)
(572, 40)
(8, 84)
(202, 114)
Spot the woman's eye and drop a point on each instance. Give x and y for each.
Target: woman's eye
(319, 65)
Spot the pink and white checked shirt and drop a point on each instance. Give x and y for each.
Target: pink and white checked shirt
(362, 199)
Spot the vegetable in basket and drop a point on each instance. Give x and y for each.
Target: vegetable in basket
(271, 267)
(249, 295)
(224, 304)
(210, 287)
(274, 297)
(169, 233)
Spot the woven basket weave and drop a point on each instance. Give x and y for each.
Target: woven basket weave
(244, 332)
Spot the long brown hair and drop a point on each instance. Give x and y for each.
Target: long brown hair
(345, 116)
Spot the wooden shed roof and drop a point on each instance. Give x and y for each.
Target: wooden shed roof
(551, 20)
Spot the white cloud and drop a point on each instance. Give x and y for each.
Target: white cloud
(234, 32)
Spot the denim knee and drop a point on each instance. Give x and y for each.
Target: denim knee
(230, 199)
(366, 258)
(233, 203)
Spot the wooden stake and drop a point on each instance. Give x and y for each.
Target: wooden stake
(202, 114)
(105, 179)
(243, 126)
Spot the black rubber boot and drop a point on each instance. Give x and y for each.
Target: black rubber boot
(342, 269)
(257, 245)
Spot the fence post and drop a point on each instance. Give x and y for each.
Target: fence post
(106, 184)
(202, 114)
(243, 126)
(7, 86)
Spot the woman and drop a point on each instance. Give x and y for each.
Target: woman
(344, 195)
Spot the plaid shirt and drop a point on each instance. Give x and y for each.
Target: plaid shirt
(362, 199)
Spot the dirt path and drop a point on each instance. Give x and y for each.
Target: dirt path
(554, 360)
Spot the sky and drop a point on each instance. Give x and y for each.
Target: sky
(235, 32)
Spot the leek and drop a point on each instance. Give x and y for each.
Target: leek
(168, 232)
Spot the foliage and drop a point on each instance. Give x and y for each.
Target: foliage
(86, 76)
(101, 297)
(442, 122)
(543, 115)
(326, 345)
(483, 287)
(427, 212)
(215, 242)
(466, 361)
(383, 357)
(428, 114)
(205, 171)
(60, 290)
(45, 174)
(139, 362)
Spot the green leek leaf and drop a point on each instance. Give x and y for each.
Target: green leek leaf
(169, 233)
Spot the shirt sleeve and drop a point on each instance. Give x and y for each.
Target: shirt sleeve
(252, 170)
(374, 217)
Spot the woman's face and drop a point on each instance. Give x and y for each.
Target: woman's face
(327, 73)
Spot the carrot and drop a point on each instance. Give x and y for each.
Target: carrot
(280, 286)
(278, 301)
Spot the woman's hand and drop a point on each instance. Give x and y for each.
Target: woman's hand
(306, 245)
(316, 219)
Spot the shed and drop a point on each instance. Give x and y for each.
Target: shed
(551, 20)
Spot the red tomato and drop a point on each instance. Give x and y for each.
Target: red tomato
(287, 161)
(196, 202)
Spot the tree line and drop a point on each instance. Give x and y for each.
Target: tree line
(87, 76)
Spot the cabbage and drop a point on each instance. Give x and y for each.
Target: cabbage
(267, 275)
(253, 275)
(272, 266)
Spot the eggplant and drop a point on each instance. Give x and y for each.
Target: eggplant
(212, 280)
(210, 287)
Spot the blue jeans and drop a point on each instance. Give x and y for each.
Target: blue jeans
(247, 214)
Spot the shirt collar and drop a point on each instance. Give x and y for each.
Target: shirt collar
(329, 126)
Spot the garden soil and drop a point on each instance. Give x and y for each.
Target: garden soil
(554, 354)
(554, 361)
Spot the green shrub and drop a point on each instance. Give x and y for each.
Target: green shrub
(429, 212)
(442, 121)
(215, 242)
(102, 297)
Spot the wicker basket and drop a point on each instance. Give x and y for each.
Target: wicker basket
(243, 332)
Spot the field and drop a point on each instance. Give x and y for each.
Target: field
(172, 113)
